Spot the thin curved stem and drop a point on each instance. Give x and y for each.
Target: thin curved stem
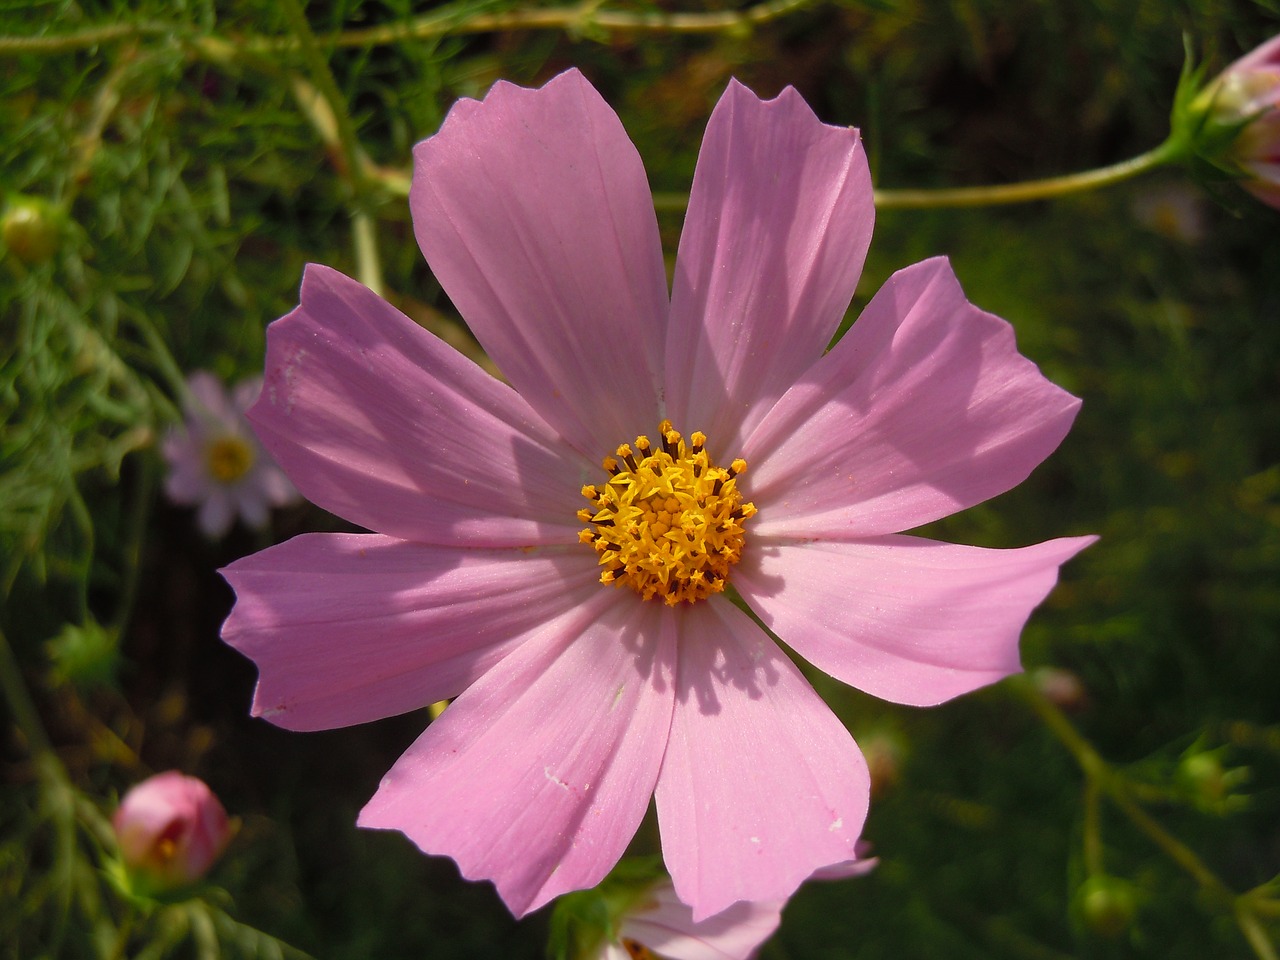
(1028, 190)
(23, 710)
(81, 39)
(1115, 786)
(581, 18)
(344, 130)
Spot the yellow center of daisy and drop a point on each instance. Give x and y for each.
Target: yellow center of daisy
(668, 522)
(228, 458)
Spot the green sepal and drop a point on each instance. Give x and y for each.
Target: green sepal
(583, 920)
(1201, 133)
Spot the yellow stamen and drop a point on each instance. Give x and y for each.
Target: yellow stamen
(229, 458)
(668, 523)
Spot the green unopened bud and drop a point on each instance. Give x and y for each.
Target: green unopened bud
(1232, 124)
(1209, 783)
(31, 229)
(1107, 905)
(85, 656)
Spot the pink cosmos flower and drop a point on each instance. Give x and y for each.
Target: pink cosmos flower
(1248, 92)
(171, 830)
(215, 461)
(776, 466)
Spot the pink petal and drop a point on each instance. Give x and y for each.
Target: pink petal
(347, 628)
(245, 394)
(188, 481)
(778, 227)
(905, 619)
(761, 784)
(534, 212)
(924, 408)
(666, 926)
(216, 513)
(1262, 57)
(847, 870)
(210, 400)
(250, 504)
(538, 775)
(275, 486)
(378, 421)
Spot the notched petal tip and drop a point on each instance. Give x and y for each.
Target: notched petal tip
(778, 226)
(533, 210)
(909, 620)
(925, 408)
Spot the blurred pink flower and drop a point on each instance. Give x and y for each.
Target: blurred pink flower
(215, 461)
(171, 830)
(577, 701)
(1247, 93)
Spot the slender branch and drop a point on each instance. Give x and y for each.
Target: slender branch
(1092, 827)
(105, 102)
(1115, 787)
(583, 17)
(368, 263)
(1109, 781)
(23, 708)
(89, 37)
(1029, 190)
(322, 76)
(1254, 933)
(334, 123)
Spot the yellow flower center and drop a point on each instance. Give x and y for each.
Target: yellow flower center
(668, 522)
(637, 951)
(229, 458)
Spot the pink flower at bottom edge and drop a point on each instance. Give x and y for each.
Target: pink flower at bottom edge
(662, 924)
(215, 461)
(578, 701)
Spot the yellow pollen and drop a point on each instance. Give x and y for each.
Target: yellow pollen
(668, 522)
(228, 458)
(637, 951)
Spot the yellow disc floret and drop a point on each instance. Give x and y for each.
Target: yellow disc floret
(229, 458)
(668, 523)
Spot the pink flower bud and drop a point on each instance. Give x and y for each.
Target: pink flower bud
(1246, 95)
(171, 829)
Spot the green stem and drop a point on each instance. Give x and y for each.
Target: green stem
(89, 37)
(1093, 861)
(582, 18)
(1254, 934)
(164, 362)
(368, 262)
(1114, 785)
(322, 76)
(1029, 190)
(23, 709)
(137, 529)
(452, 22)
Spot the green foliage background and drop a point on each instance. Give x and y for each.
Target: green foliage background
(183, 160)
